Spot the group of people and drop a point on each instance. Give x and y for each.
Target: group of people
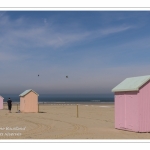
(9, 102)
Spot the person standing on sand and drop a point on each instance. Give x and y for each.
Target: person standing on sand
(9, 102)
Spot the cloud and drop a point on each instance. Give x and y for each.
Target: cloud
(23, 33)
(115, 30)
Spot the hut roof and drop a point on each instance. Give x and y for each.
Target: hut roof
(131, 84)
(1, 97)
(26, 92)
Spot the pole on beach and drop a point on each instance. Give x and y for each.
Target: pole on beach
(38, 108)
(77, 111)
(17, 107)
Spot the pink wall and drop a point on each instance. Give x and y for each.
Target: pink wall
(144, 106)
(1, 102)
(126, 111)
(132, 110)
(29, 103)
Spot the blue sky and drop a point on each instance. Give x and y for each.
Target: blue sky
(95, 49)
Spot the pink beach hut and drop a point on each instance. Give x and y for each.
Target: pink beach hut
(1, 102)
(29, 101)
(132, 104)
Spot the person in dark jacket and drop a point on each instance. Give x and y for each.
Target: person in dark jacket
(9, 102)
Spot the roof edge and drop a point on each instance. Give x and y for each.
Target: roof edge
(143, 83)
(28, 92)
(125, 90)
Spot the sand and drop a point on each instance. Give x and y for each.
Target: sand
(60, 121)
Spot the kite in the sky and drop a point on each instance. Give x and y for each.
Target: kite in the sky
(66, 76)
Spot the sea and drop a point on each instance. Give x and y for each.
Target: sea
(66, 98)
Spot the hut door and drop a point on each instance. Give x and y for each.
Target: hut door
(131, 116)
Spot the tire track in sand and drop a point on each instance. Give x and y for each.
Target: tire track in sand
(38, 129)
(42, 128)
(77, 129)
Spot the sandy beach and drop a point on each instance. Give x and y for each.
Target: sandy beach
(60, 121)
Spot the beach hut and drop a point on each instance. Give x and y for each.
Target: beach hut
(29, 101)
(1, 102)
(132, 104)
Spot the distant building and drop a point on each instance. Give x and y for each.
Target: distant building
(132, 104)
(1, 102)
(29, 101)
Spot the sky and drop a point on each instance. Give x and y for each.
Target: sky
(95, 49)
